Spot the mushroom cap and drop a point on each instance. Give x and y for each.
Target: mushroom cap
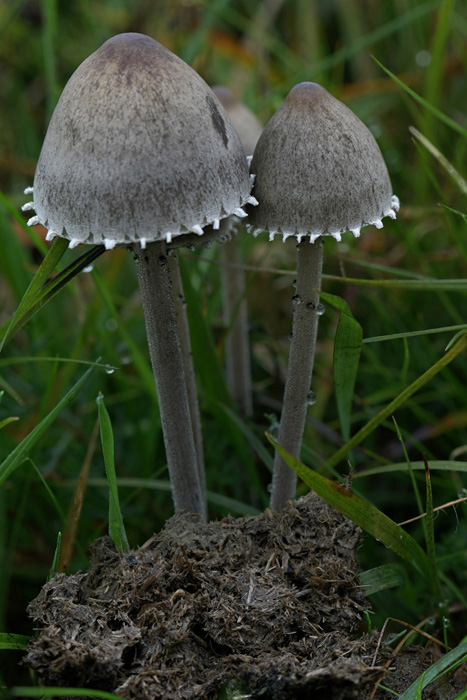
(318, 169)
(247, 125)
(138, 149)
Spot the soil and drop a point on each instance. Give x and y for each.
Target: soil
(259, 607)
(407, 666)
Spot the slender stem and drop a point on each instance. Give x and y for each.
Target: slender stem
(166, 358)
(300, 368)
(235, 312)
(187, 357)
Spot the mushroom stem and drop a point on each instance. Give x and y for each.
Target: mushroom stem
(235, 312)
(300, 367)
(167, 364)
(187, 358)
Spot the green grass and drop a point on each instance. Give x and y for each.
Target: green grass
(404, 286)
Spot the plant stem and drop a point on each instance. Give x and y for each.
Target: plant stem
(166, 358)
(187, 358)
(235, 312)
(300, 368)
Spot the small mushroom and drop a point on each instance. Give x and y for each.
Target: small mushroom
(319, 172)
(237, 344)
(139, 151)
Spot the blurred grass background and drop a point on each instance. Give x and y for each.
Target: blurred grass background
(260, 50)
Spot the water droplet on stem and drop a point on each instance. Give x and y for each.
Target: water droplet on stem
(320, 309)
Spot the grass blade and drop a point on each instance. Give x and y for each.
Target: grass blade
(17, 456)
(441, 465)
(340, 55)
(206, 359)
(398, 401)
(420, 285)
(55, 285)
(198, 38)
(50, 493)
(455, 211)
(7, 421)
(256, 445)
(76, 505)
(430, 534)
(419, 688)
(415, 488)
(41, 290)
(13, 642)
(245, 444)
(27, 359)
(54, 567)
(361, 512)
(116, 527)
(434, 73)
(431, 108)
(49, 19)
(48, 265)
(347, 349)
(139, 360)
(442, 160)
(412, 334)
(382, 577)
(19, 218)
(231, 504)
(446, 663)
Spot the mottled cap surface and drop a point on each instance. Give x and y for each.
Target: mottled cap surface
(318, 169)
(138, 149)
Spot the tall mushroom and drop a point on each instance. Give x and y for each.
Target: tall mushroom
(139, 151)
(319, 172)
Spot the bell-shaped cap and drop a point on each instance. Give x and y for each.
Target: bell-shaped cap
(318, 170)
(247, 125)
(138, 149)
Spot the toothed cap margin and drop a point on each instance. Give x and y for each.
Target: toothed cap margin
(319, 170)
(138, 147)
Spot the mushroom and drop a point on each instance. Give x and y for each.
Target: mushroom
(139, 151)
(237, 345)
(319, 172)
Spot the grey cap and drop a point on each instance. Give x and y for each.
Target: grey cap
(319, 170)
(247, 125)
(138, 149)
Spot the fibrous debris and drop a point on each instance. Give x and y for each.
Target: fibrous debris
(268, 604)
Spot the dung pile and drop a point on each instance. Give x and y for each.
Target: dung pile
(263, 605)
